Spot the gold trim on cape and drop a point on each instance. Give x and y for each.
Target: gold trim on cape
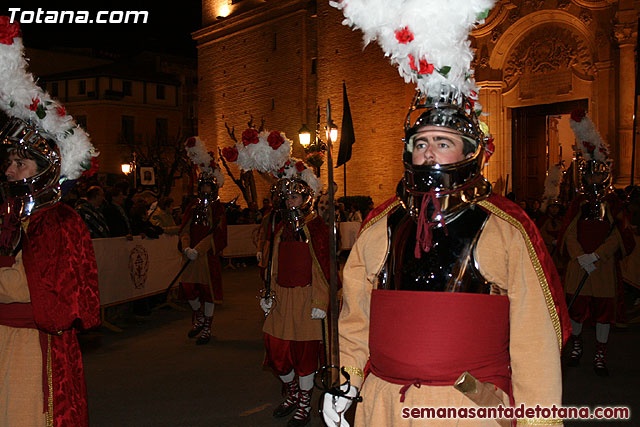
(379, 216)
(542, 279)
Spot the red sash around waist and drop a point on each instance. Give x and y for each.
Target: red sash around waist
(294, 264)
(431, 338)
(17, 315)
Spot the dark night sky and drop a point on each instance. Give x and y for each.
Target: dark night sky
(168, 28)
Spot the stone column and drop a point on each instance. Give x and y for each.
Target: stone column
(500, 163)
(625, 34)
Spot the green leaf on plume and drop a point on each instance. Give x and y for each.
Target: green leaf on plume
(86, 164)
(12, 104)
(48, 102)
(444, 70)
(483, 15)
(41, 112)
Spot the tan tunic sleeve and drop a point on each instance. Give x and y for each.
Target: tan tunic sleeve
(505, 260)
(359, 277)
(574, 249)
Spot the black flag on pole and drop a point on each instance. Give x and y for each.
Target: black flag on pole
(347, 136)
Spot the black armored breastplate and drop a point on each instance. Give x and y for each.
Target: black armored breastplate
(448, 267)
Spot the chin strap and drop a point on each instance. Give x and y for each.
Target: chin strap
(424, 234)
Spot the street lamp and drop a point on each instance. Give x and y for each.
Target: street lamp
(126, 168)
(332, 132)
(305, 136)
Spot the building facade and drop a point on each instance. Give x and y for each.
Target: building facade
(536, 61)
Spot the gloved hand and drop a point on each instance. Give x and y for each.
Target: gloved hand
(317, 313)
(259, 257)
(334, 407)
(190, 253)
(587, 259)
(266, 304)
(589, 268)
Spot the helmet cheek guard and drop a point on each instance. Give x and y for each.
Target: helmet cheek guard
(24, 197)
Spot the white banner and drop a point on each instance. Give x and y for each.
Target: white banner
(131, 269)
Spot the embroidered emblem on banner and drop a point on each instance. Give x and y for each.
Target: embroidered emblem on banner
(138, 266)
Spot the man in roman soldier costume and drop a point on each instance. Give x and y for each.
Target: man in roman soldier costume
(450, 297)
(48, 273)
(550, 223)
(296, 260)
(595, 237)
(203, 237)
(299, 296)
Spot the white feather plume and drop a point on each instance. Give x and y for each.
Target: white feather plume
(588, 137)
(203, 159)
(20, 97)
(433, 31)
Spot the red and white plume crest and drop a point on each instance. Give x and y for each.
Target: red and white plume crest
(269, 152)
(203, 159)
(588, 138)
(21, 97)
(427, 39)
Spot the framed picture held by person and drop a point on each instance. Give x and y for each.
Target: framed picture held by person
(147, 176)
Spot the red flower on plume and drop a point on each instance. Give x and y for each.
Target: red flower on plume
(490, 148)
(191, 142)
(230, 153)
(589, 146)
(34, 104)
(93, 169)
(275, 140)
(8, 30)
(412, 63)
(250, 136)
(300, 166)
(578, 115)
(281, 171)
(404, 36)
(425, 67)
(61, 111)
(287, 163)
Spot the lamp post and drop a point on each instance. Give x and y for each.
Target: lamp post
(304, 134)
(314, 149)
(130, 167)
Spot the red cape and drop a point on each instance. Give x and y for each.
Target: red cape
(63, 284)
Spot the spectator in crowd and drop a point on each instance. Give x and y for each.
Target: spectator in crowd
(233, 213)
(90, 210)
(140, 225)
(162, 217)
(266, 206)
(534, 211)
(354, 214)
(116, 214)
(255, 216)
(341, 213)
(322, 207)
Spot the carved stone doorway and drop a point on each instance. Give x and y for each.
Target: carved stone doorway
(530, 149)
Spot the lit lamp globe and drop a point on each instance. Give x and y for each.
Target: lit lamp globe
(332, 133)
(126, 168)
(305, 136)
